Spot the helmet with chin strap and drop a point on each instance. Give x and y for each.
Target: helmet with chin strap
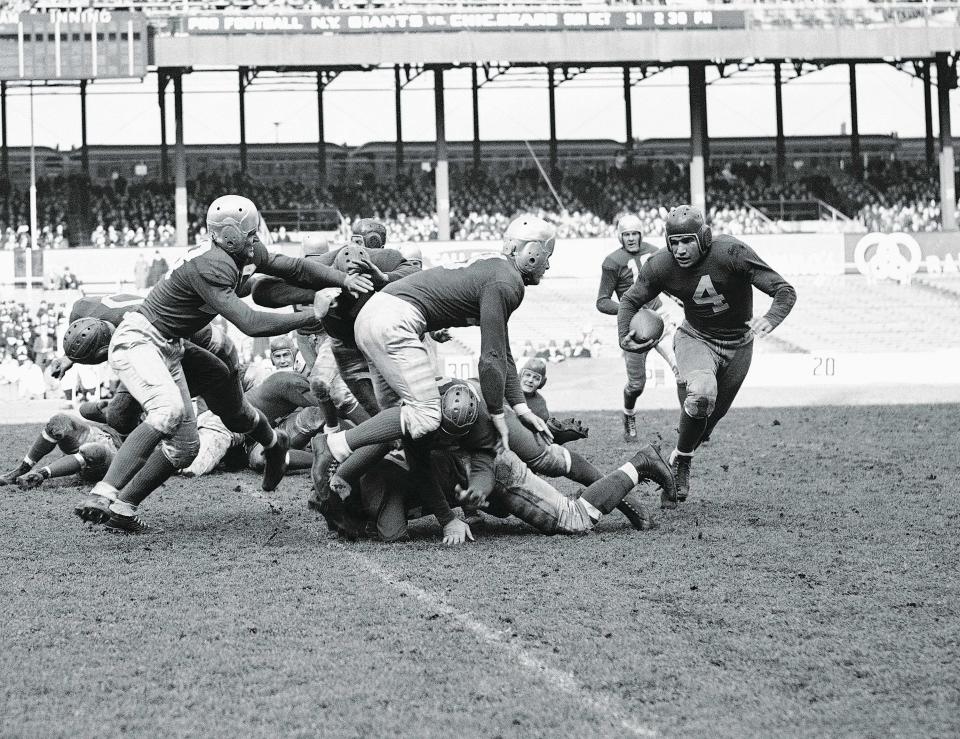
(371, 232)
(530, 241)
(232, 222)
(685, 220)
(351, 258)
(459, 408)
(537, 366)
(87, 340)
(627, 224)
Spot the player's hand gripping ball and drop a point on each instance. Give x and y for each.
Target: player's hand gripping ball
(646, 326)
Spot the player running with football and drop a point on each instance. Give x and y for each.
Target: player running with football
(147, 348)
(618, 273)
(714, 278)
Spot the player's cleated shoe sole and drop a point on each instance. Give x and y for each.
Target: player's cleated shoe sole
(681, 470)
(636, 513)
(651, 465)
(94, 509)
(275, 461)
(324, 465)
(127, 524)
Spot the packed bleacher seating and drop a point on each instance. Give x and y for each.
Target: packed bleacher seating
(893, 195)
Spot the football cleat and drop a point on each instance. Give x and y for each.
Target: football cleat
(32, 479)
(94, 508)
(324, 465)
(9, 478)
(636, 514)
(629, 427)
(651, 465)
(340, 486)
(681, 470)
(275, 461)
(127, 524)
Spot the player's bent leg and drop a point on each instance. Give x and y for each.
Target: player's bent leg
(636, 365)
(50, 436)
(729, 380)
(535, 501)
(215, 440)
(123, 411)
(383, 503)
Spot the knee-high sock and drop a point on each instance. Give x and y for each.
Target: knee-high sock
(691, 431)
(607, 492)
(132, 455)
(356, 415)
(263, 432)
(40, 448)
(156, 471)
(69, 465)
(361, 460)
(383, 427)
(581, 470)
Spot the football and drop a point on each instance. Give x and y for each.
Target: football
(646, 326)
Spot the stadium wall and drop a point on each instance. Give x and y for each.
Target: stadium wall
(107, 270)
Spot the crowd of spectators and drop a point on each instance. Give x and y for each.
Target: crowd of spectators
(29, 344)
(586, 202)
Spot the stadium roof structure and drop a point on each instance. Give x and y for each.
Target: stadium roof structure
(557, 37)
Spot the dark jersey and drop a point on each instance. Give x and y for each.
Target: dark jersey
(538, 405)
(207, 278)
(484, 293)
(112, 309)
(280, 394)
(480, 443)
(717, 293)
(618, 273)
(343, 313)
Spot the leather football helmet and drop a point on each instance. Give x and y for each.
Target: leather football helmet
(233, 223)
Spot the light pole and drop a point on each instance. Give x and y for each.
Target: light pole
(33, 204)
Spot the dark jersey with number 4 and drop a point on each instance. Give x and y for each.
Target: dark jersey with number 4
(618, 272)
(717, 293)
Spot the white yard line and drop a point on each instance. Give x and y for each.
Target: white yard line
(604, 705)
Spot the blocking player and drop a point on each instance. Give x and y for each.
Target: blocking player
(147, 348)
(463, 463)
(618, 273)
(714, 278)
(390, 325)
(89, 447)
(533, 376)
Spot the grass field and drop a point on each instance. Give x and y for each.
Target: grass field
(808, 587)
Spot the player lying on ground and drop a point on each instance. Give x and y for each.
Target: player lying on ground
(89, 446)
(714, 278)
(618, 273)
(388, 332)
(460, 462)
(147, 348)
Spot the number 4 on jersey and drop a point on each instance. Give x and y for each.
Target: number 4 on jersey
(706, 294)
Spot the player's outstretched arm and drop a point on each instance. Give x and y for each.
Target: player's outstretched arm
(311, 273)
(272, 292)
(253, 322)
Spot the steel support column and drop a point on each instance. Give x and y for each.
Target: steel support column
(552, 99)
(321, 134)
(628, 106)
(697, 89)
(475, 91)
(162, 79)
(179, 164)
(946, 80)
(928, 117)
(781, 141)
(397, 87)
(242, 91)
(856, 159)
(4, 150)
(84, 154)
(442, 168)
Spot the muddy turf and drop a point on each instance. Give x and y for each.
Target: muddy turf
(808, 587)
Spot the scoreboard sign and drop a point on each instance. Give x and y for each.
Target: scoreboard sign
(72, 45)
(343, 22)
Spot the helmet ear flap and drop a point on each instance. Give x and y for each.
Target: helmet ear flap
(706, 237)
(231, 236)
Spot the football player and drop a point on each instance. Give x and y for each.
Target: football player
(463, 460)
(147, 348)
(283, 352)
(88, 446)
(714, 278)
(533, 376)
(390, 325)
(618, 273)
